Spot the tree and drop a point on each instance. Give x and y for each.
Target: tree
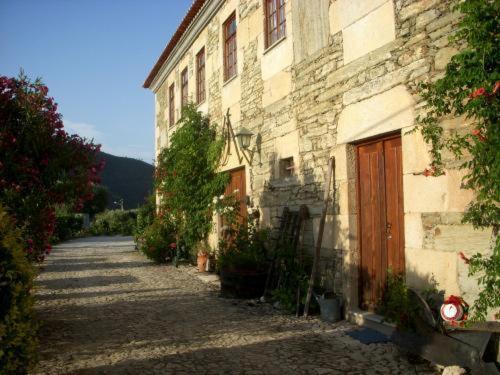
(470, 88)
(41, 165)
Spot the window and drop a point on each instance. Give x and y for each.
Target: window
(200, 76)
(171, 105)
(230, 47)
(287, 168)
(184, 87)
(275, 21)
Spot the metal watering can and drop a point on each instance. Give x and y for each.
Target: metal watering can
(330, 306)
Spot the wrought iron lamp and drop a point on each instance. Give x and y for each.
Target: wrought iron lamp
(244, 136)
(241, 141)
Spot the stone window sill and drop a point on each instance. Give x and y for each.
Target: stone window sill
(275, 44)
(229, 80)
(285, 182)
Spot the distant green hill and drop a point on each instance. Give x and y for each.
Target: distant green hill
(126, 178)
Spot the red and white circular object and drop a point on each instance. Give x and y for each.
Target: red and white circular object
(452, 312)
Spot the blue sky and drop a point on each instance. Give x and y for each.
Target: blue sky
(94, 56)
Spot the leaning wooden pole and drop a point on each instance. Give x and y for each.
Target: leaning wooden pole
(319, 240)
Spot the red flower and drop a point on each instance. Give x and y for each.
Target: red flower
(478, 92)
(477, 133)
(173, 245)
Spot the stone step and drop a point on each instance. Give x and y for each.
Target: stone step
(373, 321)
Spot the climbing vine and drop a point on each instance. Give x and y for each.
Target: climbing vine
(187, 177)
(469, 89)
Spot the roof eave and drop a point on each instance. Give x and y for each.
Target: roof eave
(176, 37)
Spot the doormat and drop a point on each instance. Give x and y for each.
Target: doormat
(368, 336)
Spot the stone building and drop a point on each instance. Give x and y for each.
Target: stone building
(314, 79)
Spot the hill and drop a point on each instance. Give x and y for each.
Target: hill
(126, 178)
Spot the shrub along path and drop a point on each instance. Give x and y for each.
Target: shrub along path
(106, 309)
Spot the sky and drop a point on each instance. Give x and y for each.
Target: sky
(94, 56)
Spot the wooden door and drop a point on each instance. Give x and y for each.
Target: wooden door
(237, 186)
(381, 226)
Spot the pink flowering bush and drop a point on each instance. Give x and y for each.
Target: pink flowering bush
(41, 165)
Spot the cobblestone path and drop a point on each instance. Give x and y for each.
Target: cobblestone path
(107, 309)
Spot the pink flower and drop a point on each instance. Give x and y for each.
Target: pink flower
(173, 245)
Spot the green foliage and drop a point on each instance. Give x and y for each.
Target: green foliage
(157, 241)
(98, 202)
(155, 235)
(17, 322)
(397, 306)
(470, 88)
(292, 276)
(488, 271)
(187, 178)
(244, 247)
(114, 222)
(67, 226)
(145, 215)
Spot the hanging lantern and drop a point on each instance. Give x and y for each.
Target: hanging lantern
(244, 135)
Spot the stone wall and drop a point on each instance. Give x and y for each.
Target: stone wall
(323, 88)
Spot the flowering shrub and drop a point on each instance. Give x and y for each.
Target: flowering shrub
(228, 207)
(17, 324)
(470, 88)
(40, 164)
(244, 247)
(186, 177)
(157, 241)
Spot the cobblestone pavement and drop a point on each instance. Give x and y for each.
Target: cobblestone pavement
(107, 309)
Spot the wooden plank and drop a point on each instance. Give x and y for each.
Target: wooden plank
(330, 173)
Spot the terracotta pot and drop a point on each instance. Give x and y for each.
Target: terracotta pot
(202, 262)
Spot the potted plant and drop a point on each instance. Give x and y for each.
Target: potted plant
(203, 252)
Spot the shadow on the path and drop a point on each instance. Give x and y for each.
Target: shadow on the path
(308, 353)
(135, 322)
(60, 296)
(86, 282)
(94, 266)
(80, 259)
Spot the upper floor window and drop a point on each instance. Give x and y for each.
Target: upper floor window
(184, 87)
(230, 62)
(275, 21)
(171, 105)
(200, 76)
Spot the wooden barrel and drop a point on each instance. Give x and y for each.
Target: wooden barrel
(242, 283)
